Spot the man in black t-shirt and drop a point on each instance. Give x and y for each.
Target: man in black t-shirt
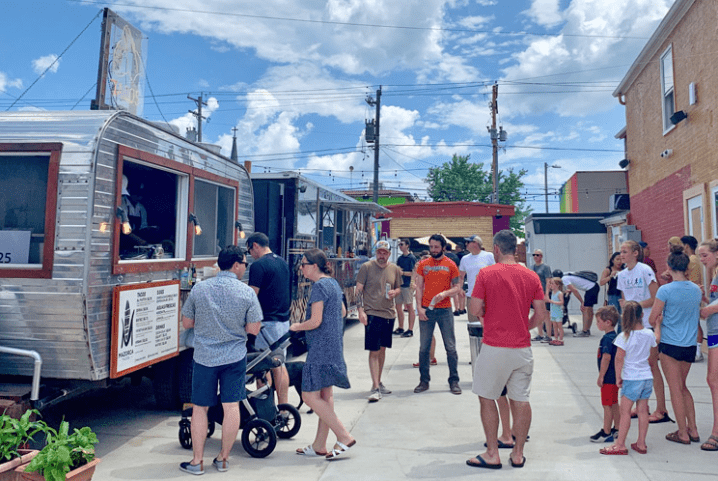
(406, 262)
(269, 276)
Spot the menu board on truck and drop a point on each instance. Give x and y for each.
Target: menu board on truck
(145, 325)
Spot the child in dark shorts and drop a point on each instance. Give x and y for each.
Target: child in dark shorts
(606, 319)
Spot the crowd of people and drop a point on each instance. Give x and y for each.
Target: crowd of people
(651, 332)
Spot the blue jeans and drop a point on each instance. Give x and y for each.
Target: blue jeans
(613, 301)
(445, 318)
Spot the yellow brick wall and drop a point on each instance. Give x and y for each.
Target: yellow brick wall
(694, 44)
(448, 226)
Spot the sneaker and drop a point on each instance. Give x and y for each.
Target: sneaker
(398, 331)
(221, 465)
(383, 389)
(582, 334)
(408, 333)
(454, 387)
(457, 313)
(433, 362)
(537, 338)
(546, 339)
(600, 437)
(423, 386)
(375, 395)
(190, 468)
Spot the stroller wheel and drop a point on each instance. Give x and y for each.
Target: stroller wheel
(210, 429)
(574, 326)
(185, 435)
(259, 438)
(287, 427)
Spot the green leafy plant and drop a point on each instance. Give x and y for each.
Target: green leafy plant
(64, 452)
(15, 433)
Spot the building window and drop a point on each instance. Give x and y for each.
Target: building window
(28, 204)
(214, 207)
(667, 90)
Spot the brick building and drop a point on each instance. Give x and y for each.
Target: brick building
(455, 220)
(671, 96)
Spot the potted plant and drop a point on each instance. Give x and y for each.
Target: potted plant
(14, 436)
(65, 457)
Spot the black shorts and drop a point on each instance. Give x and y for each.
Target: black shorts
(590, 299)
(686, 354)
(377, 333)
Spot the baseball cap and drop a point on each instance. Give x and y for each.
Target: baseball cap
(643, 244)
(382, 244)
(474, 238)
(675, 240)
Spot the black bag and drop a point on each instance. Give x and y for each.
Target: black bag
(588, 275)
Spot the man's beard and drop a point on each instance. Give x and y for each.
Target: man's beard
(436, 255)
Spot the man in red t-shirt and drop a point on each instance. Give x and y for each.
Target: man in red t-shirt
(437, 279)
(503, 294)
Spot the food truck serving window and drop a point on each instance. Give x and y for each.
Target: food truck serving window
(214, 208)
(28, 203)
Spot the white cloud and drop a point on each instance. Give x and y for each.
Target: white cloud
(544, 12)
(39, 65)
(6, 82)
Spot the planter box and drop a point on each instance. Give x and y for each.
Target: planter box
(7, 470)
(83, 473)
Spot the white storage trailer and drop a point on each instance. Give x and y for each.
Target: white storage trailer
(98, 216)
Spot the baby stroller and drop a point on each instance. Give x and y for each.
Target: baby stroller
(566, 320)
(261, 421)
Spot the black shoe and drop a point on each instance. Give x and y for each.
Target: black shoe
(408, 333)
(423, 386)
(457, 313)
(599, 437)
(398, 331)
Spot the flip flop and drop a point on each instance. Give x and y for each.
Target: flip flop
(613, 451)
(309, 451)
(673, 437)
(711, 444)
(343, 448)
(694, 439)
(482, 463)
(664, 419)
(517, 465)
(639, 450)
(502, 445)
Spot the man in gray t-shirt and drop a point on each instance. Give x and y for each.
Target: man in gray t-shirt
(544, 272)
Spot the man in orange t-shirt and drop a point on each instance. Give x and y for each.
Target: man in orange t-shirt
(503, 295)
(437, 279)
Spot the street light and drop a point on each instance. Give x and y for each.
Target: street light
(545, 179)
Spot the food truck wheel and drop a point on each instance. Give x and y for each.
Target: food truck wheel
(165, 384)
(259, 438)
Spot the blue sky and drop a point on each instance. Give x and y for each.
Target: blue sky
(292, 77)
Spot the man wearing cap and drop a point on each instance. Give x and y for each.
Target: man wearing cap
(544, 272)
(472, 263)
(378, 283)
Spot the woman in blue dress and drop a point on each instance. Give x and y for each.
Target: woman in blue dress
(325, 366)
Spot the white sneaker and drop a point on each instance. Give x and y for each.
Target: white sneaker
(375, 395)
(383, 389)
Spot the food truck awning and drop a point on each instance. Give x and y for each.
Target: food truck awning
(357, 206)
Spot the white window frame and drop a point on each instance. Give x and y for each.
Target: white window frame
(667, 93)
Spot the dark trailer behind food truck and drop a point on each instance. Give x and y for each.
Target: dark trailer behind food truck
(97, 224)
(298, 214)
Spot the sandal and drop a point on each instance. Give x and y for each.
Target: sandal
(639, 449)
(343, 448)
(555, 342)
(613, 451)
(663, 419)
(309, 451)
(673, 437)
(711, 444)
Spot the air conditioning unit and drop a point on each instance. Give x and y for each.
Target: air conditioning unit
(619, 202)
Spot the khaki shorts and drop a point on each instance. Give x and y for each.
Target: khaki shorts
(496, 367)
(405, 297)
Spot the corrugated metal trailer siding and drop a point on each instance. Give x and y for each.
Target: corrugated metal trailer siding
(67, 319)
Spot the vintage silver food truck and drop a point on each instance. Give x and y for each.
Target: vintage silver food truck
(102, 217)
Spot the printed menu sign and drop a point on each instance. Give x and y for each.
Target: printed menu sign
(145, 325)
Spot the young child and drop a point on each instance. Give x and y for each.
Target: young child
(606, 319)
(633, 375)
(555, 286)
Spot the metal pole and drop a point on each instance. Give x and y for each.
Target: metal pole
(545, 182)
(375, 196)
(495, 142)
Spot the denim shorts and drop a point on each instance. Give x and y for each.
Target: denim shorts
(230, 378)
(635, 390)
(712, 331)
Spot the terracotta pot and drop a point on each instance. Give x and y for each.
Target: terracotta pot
(7, 469)
(83, 473)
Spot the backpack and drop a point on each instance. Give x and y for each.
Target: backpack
(588, 275)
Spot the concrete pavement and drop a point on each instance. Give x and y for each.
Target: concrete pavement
(428, 435)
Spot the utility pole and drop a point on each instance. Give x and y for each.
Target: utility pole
(545, 179)
(495, 142)
(377, 103)
(198, 114)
